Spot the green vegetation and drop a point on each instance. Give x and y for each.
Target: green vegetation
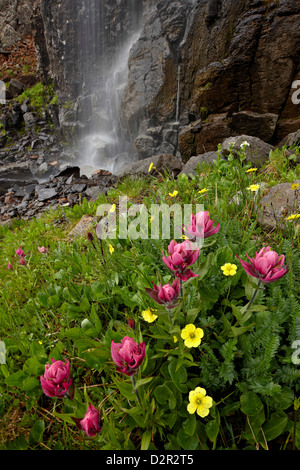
(72, 301)
(39, 95)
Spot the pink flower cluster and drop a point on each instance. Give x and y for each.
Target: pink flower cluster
(56, 381)
(180, 257)
(90, 423)
(128, 355)
(201, 226)
(267, 265)
(21, 256)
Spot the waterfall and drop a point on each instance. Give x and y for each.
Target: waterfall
(106, 45)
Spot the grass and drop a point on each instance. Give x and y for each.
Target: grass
(73, 300)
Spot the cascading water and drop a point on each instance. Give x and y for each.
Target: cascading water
(103, 142)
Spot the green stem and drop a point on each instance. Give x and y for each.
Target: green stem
(253, 296)
(170, 321)
(136, 391)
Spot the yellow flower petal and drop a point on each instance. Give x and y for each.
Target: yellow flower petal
(173, 194)
(253, 187)
(199, 402)
(229, 269)
(192, 336)
(148, 315)
(293, 217)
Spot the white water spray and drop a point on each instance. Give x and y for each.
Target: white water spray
(104, 147)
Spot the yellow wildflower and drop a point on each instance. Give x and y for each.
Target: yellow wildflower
(173, 194)
(175, 339)
(294, 186)
(111, 248)
(229, 269)
(254, 187)
(148, 315)
(293, 217)
(192, 336)
(251, 170)
(151, 167)
(204, 190)
(113, 208)
(199, 402)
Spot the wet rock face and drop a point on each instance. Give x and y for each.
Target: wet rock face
(82, 38)
(200, 70)
(14, 21)
(234, 63)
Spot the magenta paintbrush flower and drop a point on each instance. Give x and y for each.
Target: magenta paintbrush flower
(128, 355)
(56, 381)
(20, 252)
(181, 256)
(90, 424)
(166, 294)
(267, 265)
(42, 249)
(201, 226)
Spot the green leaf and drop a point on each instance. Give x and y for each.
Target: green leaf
(187, 442)
(239, 330)
(204, 267)
(146, 440)
(178, 376)
(19, 443)
(189, 425)
(282, 399)
(251, 404)
(96, 358)
(141, 382)
(125, 389)
(223, 255)
(30, 384)
(137, 414)
(212, 430)
(36, 433)
(66, 417)
(17, 379)
(163, 395)
(275, 426)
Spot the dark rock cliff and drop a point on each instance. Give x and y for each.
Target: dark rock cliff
(198, 72)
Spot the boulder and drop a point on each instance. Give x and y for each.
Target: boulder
(293, 138)
(259, 125)
(280, 202)
(192, 164)
(84, 226)
(159, 163)
(257, 152)
(15, 173)
(15, 88)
